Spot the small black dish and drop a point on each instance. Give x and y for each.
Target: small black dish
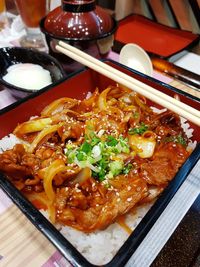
(13, 55)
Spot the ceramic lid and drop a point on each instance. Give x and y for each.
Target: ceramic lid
(79, 20)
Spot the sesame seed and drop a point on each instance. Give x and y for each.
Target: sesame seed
(78, 190)
(110, 188)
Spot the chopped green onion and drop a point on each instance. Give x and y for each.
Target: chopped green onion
(86, 147)
(176, 139)
(81, 156)
(116, 167)
(136, 115)
(95, 141)
(97, 154)
(111, 141)
(140, 129)
(127, 168)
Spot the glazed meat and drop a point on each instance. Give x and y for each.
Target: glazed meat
(89, 206)
(165, 163)
(16, 163)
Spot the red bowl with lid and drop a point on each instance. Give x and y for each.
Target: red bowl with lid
(80, 23)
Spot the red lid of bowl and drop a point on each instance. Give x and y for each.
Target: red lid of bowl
(79, 20)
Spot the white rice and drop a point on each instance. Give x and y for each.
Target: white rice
(106, 242)
(189, 133)
(101, 246)
(8, 142)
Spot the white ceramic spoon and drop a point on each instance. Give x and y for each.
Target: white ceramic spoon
(135, 57)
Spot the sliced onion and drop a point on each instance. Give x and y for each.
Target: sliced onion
(53, 169)
(89, 103)
(102, 100)
(53, 106)
(42, 134)
(141, 102)
(32, 126)
(149, 135)
(82, 176)
(143, 146)
(116, 112)
(57, 166)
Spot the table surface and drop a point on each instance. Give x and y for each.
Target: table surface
(181, 250)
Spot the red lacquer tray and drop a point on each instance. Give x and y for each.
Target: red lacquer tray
(153, 37)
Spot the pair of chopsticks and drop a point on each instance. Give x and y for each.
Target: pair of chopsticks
(149, 92)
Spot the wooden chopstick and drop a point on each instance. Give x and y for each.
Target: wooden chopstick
(149, 92)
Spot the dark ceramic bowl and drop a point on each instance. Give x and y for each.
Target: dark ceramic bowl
(13, 55)
(82, 24)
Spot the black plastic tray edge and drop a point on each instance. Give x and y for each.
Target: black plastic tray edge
(128, 248)
(118, 45)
